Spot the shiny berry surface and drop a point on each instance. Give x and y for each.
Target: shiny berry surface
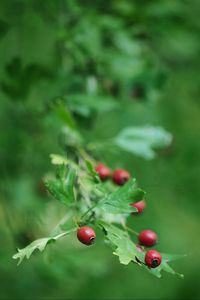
(153, 258)
(86, 235)
(120, 176)
(147, 238)
(140, 205)
(103, 171)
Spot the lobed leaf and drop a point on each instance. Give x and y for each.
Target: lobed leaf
(127, 251)
(39, 244)
(166, 258)
(118, 202)
(63, 188)
(92, 171)
(57, 159)
(143, 141)
(86, 104)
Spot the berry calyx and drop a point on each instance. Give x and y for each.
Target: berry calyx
(86, 235)
(120, 176)
(153, 258)
(140, 205)
(147, 238)
(103, 171)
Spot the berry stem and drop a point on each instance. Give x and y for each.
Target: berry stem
(66, 217)
(87, 211)
(130, 229)
(86, 156)
(66, 232)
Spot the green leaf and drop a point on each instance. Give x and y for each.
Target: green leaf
(164, 267)
(39, 244)
(63, 188)
(71, 137)
(92, 171)
(64, 114)
(142, 141)
(86, 104)
(166, 258)
(56, 190)
(57, 159)
(61, 171)
(26, 252)
(172, 257)
(125, 249)
(68, 183)
(119, 201)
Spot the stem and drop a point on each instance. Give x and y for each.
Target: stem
(86, 156)
(129, 229)
(65, 233)
(92, 216)
(66, 217)
(98, 145)
(90, 209)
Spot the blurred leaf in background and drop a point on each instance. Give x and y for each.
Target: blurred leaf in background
(143, 140)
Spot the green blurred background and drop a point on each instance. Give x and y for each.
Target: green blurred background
(116, 64)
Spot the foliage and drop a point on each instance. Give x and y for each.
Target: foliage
(93, 200)
(139, 62)
(143, 140)
(63, 188)
(37, 244)
(128, 252)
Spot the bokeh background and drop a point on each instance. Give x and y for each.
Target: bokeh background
(116, 64)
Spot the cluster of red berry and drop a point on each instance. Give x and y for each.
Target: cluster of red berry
(147, 238)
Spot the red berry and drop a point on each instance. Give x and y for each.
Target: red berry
(103, 171)
(86, 235)
(147, 238)
(140, 205)
(153, 258)
(120, 176)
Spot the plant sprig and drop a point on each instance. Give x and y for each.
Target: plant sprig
(90, 200)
